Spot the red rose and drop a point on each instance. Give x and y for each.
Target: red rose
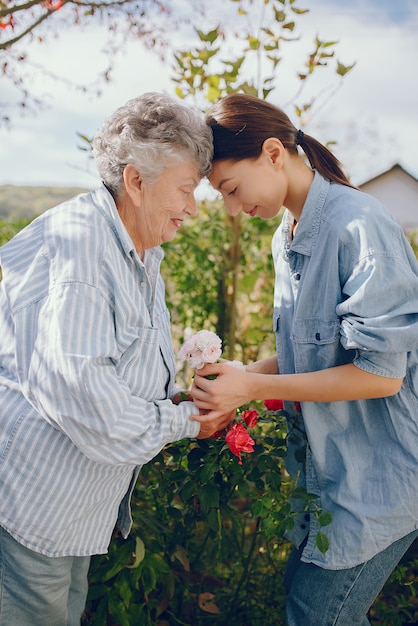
(239, 440)
(250, 417)
(274, 405)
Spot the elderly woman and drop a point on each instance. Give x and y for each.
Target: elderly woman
(87, 369)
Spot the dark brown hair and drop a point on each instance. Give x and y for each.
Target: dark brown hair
(241, 123)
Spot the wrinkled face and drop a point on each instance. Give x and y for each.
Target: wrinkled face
(254, 186)
(165, 204)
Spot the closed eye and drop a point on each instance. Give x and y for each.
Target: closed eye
(231, 193)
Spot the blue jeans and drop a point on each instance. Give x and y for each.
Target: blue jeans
(320, 597)
(37, 590)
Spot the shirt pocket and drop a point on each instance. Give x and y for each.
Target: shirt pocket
(317, 345)
(140, 363)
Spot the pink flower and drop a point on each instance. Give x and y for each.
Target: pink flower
(211, 354)
(187, 348)
(203, 347)
(250, 417)
(239, 440)
(274, 405)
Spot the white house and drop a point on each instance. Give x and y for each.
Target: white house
(397, 189)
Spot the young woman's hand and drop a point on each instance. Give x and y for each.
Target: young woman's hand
(229, 390)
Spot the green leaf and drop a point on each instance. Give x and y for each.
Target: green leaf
(157, 563)
(208, 470)
(258, 509)
(213, 94)
(279, 15)
(101, 612)
(342, 70)
(209, 496)
(178, 475)
(120, 558)
(181, 555)
(187, 490)
(205, 55)
(125, 592)
(97, 591)
(174, 513)
(210, 36)
(322, 542)
(254, 43)
(139, 553)
(325, 518)
(299, 11)
(195, 458)
(213, 80)
(327, 44)
(289, 26)
(118, 610)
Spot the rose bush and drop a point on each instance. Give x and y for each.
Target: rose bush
(207, 545)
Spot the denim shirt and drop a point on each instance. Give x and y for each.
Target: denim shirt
(346, 291)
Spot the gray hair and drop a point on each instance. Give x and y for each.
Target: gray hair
(152, 132)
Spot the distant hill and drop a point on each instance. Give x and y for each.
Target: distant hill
(18, 202)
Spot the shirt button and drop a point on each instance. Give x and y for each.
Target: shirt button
(297, 276)
(318, 336)
(142, 283)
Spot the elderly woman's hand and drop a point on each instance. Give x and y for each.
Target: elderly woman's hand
(212, 422)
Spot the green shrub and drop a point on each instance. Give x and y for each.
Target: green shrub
(207, 544)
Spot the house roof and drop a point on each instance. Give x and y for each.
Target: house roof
(394, 167)
(397, 189)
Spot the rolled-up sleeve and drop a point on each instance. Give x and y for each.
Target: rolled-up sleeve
(379, 315)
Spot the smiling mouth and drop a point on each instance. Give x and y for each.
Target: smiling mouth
(177, 222)
(252, 212)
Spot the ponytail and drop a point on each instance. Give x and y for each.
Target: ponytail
(323, 160)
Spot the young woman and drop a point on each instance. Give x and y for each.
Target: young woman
(346, 324)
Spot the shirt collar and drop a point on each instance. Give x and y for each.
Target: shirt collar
(308, 227)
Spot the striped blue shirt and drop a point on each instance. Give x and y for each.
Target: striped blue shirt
(86, 375)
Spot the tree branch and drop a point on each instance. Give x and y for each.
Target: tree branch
(4, 45)
(11, 10)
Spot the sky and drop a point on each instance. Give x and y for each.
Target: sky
(371, 114)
